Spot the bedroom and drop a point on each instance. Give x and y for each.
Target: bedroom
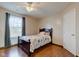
(43, 17)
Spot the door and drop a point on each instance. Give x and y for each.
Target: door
(69, 41)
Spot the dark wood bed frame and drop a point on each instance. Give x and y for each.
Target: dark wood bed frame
(25, 46)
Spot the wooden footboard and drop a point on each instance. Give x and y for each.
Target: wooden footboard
(25, 46)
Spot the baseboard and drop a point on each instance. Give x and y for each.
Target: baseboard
(2, 48)
(9, 47)
(13, 45)
(70, 52)
(57, 45)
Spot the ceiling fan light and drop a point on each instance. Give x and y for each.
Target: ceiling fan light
(30, 9)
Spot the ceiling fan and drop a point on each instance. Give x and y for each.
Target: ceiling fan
(29, 6)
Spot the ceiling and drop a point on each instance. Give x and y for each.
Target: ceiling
(43, 8)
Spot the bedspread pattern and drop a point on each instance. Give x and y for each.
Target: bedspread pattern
(36, 41)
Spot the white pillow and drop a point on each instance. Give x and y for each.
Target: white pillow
(47, 33)
(42, 33)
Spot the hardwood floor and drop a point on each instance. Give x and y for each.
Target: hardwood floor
(46, 51)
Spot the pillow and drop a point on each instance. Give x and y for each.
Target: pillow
(42, 33)
(47, 33)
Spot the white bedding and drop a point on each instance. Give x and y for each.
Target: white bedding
(36, 41)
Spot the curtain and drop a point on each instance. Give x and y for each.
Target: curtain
(23, 27)
(7, 31)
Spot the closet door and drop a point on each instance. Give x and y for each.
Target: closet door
(69, 41)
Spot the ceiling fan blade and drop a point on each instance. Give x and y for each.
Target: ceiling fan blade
(26, 4)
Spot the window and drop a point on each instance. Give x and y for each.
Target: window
(15, 26)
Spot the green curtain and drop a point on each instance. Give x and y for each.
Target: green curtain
(23, 27)
(7, 31)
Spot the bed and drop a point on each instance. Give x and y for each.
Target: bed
(30, 43)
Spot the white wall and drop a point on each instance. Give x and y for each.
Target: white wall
(56, 23)
(76, 6)
(77, 27)
(69, 31)
(2, 27)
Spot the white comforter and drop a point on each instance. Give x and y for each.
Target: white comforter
(37, 41)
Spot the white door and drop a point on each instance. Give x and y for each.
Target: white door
(69, 41)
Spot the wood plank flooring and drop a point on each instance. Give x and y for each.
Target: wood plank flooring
(46, 51)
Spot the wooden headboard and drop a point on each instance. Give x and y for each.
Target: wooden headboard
(47, 30)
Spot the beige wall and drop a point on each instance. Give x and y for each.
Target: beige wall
(56, 23)
(31, 25)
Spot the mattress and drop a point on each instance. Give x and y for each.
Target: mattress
(36, 41)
